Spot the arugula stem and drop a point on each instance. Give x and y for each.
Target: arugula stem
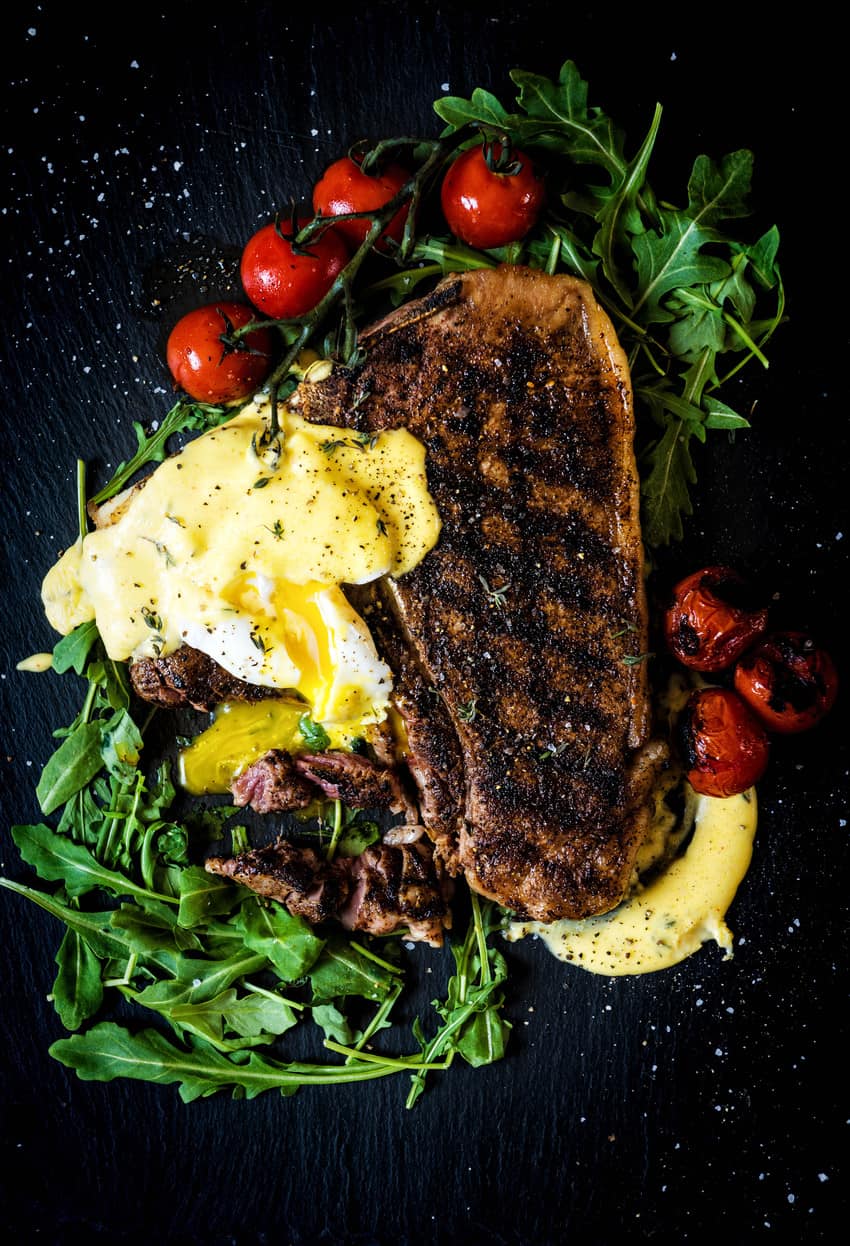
(88, 703)
(481, 937)
(394, 1063)
(370, 955)
(129, 970)
(82, 516)
(336, 832)
(381, 1013)
(554, 254)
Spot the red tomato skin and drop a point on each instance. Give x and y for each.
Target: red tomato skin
(344, 188)
(788, 681)
(486, 209)
(724, 746)
(200, 362)
(283, 284)
(712, 619)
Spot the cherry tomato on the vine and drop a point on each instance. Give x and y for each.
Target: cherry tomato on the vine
(789, 681)
(491, 196)
(713, 617)
(724, 747)
(211, 365)
(284, 282)
(344, 188)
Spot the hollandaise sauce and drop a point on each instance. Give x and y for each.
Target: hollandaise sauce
(668, 919)
(241, 553)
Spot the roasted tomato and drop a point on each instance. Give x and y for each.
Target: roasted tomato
(344, 188)
(713, 618)
(788, 681)
(724, 747)
(491, 195)
(209, 363)
(283, 281)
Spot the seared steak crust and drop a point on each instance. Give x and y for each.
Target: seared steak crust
(529, 618)
(428, 745)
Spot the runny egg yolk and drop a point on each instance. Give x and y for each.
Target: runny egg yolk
(242, 555)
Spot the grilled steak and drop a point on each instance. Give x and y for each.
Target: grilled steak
(273, 784)
(189, 677)
(528, 620)
(305, 884)
(357, 781)
(388, 887)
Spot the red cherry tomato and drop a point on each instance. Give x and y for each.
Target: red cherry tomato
(788, 681)
(283, 282)
(203, 360)
(487, 207)
(724, 746)
(713, 618)
(344, 188)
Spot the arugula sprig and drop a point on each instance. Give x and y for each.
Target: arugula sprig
(684, 293)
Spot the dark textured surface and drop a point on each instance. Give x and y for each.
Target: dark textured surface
(705, 1102)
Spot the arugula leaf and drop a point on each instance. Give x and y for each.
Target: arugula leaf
(314, 734)
(253, 1018)
(74, 764)
(121, 745)
(343, 969)
(78, 989)
(56, 858)
(107, 1051)
(471, 1014)
(71, 651)
(204, 895)
(285, 940)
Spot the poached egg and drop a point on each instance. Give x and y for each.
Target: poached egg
(241, 553)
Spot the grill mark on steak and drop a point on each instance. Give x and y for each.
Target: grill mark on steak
(516, 384)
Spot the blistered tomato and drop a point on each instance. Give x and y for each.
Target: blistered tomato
(788, 680)
(713, 617)
(725, 749)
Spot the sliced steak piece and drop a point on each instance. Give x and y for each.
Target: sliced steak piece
(189, 677)
(279, 781)
(388, 888)
(273, 784)
(356, 780)
(397, 885)
(529, 617)
(308, 886)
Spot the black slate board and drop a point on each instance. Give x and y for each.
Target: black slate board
(706, 1101)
